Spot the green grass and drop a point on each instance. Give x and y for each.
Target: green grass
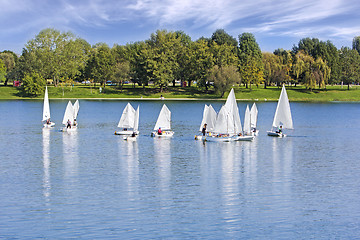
(299, 93)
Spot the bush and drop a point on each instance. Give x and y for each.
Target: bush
(33, 85)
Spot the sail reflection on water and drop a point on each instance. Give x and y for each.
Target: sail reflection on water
(70, 153)
(162, 155)
(46, 164)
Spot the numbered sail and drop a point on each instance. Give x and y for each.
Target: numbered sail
(46, 106)
(164, 119)
(283, 114)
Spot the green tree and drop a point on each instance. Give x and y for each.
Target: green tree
(55, 55)
(201, 61)
(350, 61)
(221, 38)
(2, 71)
(33, 84)
(122, 73)
(101, 64)
(223, 78)
(356, 44)
(251, 66)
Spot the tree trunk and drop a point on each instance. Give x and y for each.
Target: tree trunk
(246, 84)
(174, 83)
(348, 86)
(265, 85)
(189, 83)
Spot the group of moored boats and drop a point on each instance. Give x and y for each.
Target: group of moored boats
(224, 126)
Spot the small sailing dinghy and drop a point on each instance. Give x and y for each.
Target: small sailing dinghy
(135, 132)
(129, 121)
(163, 124)
(209, 118)
(68, 119)
(247, 122)
(253, 120)
(76, 108)
(282, 118)
(46, 111)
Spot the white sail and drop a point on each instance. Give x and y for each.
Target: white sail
(46, 107)
(204, 118)
(233, 110)
(69, 114)
(224, 122)
(76, 107)
(137, 117)
(128, 117)
(247, 120)
(211, 118)
(164, 119)
(283, 114)
(253, 114)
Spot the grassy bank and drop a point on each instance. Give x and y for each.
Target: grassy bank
(299, 93)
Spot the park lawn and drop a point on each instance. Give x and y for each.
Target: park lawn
(299, 93)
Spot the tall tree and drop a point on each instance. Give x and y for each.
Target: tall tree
(223, 78)
(356, 44)
(251, 66)
(221, 38)
(350, 61)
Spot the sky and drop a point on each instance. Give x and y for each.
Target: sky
(274, 23)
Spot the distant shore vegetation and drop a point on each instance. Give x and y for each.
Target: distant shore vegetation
(169, 60)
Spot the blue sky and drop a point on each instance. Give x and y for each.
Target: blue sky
(275, 23)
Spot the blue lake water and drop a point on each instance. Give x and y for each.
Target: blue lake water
(91, 184)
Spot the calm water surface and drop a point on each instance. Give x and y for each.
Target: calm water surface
(92, 184)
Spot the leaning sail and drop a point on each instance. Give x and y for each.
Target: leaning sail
(253, 115)
(127, 118)
(164, 119)
(46, 107)
(247, 120)
(283, 114)
(69, 113)
(224, 122)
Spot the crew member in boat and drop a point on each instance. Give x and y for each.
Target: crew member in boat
(160, 131)
(133, 134)
(279, 130)
(204, 129)
(48, 121)
(75, 123)
(68, 124)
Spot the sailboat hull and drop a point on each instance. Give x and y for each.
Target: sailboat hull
(275, 134)
(164, 134)
(52, 124)
(126, 132)
(130, 138)
(244, 138)
(219, 139)
(72, 129)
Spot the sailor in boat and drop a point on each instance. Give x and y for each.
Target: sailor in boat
(279, 130)
(48, 121)
(133, 134)
(159, 131)
(204, 130)
(68, 124)
(75, 123)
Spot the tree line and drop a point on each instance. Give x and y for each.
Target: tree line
(215, 63)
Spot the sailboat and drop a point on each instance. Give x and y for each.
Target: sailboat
(76, 107)
(282, 118)
(46, 111)
(253, 120)
(68, 119)
(129, 121)
(209, 118)
(163, 123)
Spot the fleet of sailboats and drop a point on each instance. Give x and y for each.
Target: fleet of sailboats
(224, 126)
(163, 124)
(282, 117)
